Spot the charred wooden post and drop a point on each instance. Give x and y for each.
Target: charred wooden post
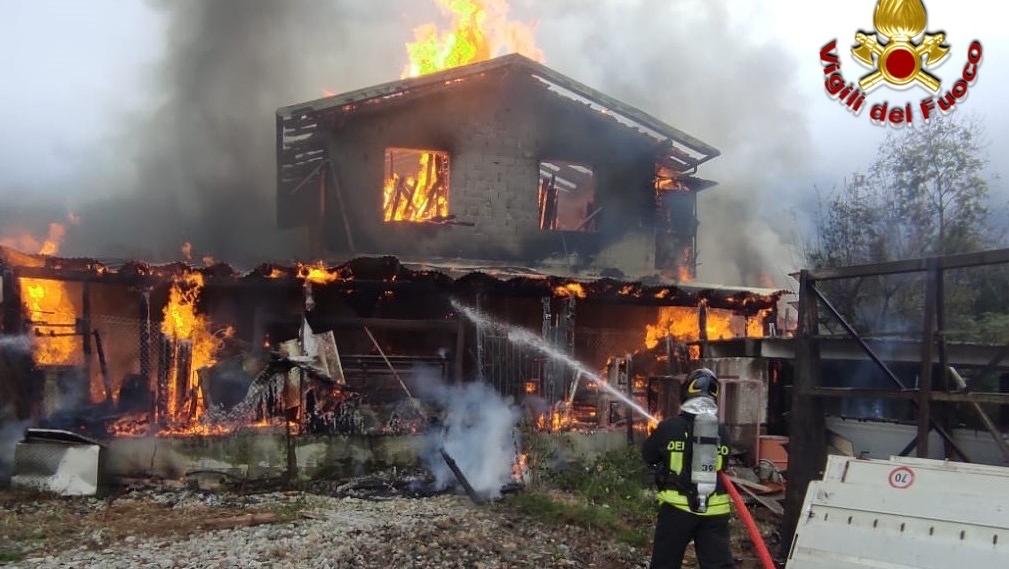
(144, 351)
(629, 372)
(103, 366)
(165, 357)
(481, 337)
(183, 365)
(460, 476)
(84, 329)
(702, 321)
(10, 320)
(924, 397)
(807, 452)
(292, 456)
(338, 191)
(460, 349)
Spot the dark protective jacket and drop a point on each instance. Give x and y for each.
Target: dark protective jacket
(669, 448)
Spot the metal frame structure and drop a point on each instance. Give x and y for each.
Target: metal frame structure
(808, 444)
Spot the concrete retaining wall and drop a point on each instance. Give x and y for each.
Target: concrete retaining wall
(263, 453)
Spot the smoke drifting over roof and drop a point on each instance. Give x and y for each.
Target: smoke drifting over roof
(703, 67)
(199, 165)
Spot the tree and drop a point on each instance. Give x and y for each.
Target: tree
(935, 176)
(924, 194)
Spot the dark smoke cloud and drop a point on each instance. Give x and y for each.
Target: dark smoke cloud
(199, 165)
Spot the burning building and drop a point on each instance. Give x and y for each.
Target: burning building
(504, 161)
(501, 186)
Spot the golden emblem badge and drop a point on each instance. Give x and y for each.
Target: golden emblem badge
(898, 60)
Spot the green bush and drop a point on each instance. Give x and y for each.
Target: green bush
(611, 493)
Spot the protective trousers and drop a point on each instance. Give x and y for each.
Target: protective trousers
(676, 528)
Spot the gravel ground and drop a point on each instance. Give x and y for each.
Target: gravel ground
(328, 532)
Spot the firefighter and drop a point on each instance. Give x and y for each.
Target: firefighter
(687, 451)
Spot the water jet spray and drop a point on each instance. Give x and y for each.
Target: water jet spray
(517, 335)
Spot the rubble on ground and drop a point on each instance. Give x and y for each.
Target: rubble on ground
(163, 530)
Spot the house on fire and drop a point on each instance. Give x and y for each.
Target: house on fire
(502, 161)
(502, 186)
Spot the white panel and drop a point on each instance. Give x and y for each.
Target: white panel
(938, 515)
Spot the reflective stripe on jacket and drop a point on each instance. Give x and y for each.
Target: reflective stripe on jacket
(718, 504)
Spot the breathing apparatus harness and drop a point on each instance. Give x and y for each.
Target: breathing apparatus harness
(699, 451)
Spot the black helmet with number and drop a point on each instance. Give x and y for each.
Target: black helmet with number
(700, 383)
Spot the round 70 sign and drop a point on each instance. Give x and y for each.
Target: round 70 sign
(901, 477)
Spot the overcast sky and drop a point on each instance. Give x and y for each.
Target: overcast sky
(74, 72)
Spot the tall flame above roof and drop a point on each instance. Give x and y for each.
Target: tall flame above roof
(480, 30)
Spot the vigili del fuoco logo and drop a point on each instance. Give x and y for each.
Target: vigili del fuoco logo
(901, 54)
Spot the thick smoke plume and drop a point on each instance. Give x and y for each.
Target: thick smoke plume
(198, 165)
(704, 68)
(477, 428)
(11, 430)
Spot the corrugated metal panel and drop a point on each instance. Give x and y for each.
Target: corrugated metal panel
(69, 469)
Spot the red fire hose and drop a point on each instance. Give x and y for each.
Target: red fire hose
(751, 526)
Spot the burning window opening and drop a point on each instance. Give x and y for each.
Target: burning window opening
(52, 315)
(567, 197)
(668, 180)
(416, 185)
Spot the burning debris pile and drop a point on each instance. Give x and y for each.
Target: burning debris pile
(172, 350)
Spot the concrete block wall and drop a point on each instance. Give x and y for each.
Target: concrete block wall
(496, 132)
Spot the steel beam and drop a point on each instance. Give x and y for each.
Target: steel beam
(964, 260)
(923, 401)
(807, 430)
(908, 395)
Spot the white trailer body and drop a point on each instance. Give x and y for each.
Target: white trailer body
(903, 513)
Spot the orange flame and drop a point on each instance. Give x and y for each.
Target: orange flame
(755, 323)
(316, 274)
(421, 194)
(520, 467)
(48, 245)
(720, 324)
(570, 289)
(49, 302)
(182, 322)
(683, 274)
(480, 30)
(679, 322)
(653, 423)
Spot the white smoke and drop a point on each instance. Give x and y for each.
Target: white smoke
(477, 430)
(11, 430)
(11, 433)
(15, 344)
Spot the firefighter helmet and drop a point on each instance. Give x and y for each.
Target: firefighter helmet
(700, 383)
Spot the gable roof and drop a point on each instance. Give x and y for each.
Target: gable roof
(690, 151)
(301, 150)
